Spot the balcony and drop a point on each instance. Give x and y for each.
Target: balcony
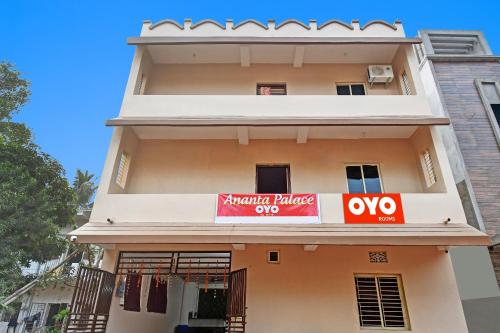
(200, 208)
(269, 108)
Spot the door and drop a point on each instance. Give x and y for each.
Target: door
(236, 301)
(89, 309)
(54, 309)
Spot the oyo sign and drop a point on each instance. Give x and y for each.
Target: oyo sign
(267, 208)
(383, 208)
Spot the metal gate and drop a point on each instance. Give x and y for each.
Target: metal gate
(89, 310)
(236, 301)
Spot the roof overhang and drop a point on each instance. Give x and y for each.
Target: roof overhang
(270, 40)
(328, 234)
(279, 121)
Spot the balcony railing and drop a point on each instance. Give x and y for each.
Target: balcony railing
(291, 106)
(200, 208)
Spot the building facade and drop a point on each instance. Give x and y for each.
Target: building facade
(461, 77)
(284, 177)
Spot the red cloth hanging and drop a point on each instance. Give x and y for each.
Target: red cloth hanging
(157, 297)
(132, 297)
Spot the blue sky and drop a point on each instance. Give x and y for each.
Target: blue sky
(75, 53)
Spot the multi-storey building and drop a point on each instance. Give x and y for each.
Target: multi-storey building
(282, 177)
(461, 77)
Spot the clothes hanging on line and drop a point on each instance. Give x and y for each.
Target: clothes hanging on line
(157, 298)
(132, 297)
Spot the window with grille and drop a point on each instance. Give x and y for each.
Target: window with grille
(267, 89)
(405, 84)
(36, 315)
(350, 89)
(381, 301)
(123, 166)
(428, 168)
(363, 178)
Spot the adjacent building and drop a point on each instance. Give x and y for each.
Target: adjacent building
(282, 177)
(461, 78)
(32, 308)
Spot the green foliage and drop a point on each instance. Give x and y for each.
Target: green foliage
(14, 91)
(59, 317)
(35, 197)
(84, 187)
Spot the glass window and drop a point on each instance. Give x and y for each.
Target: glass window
(355, 179)
(343, 90)
(363, 179)
(372, 179)
(351, 89)
(358, 89)
(496, 112)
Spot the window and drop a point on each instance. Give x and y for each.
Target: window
(496, 112)
(35, 315)
(123, 166)
(273, 179)
(53, 310)
(428, 168)
(350, 89)
(363, 178)
(405, 84)
(273, 257)
(489, 91)
(381, 301)
(271, 89)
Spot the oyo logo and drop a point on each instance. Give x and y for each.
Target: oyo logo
(266, 209)
(386, 205)
(373, 208)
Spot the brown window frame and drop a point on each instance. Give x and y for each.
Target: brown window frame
(288, 178)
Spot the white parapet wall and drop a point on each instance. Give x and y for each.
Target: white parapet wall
(287, 28)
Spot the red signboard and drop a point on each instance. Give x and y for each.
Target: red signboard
(262, 208)
(383, 208)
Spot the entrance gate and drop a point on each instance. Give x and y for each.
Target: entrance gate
(89, 310)
(236, 303)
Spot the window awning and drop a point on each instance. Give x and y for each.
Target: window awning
(328, 233)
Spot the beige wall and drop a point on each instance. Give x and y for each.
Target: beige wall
(227, 79)
(315, 292)
(421, 141)
(214, 166)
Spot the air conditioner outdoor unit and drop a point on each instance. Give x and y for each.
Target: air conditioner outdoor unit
(380, 74)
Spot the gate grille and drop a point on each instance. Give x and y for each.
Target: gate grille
(91, 301)
(236, 305)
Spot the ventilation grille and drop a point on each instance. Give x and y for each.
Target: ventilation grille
(428, 166)
(378, 257)
(405, 83)
(123, 167)
(380, 302)
(456, 44)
